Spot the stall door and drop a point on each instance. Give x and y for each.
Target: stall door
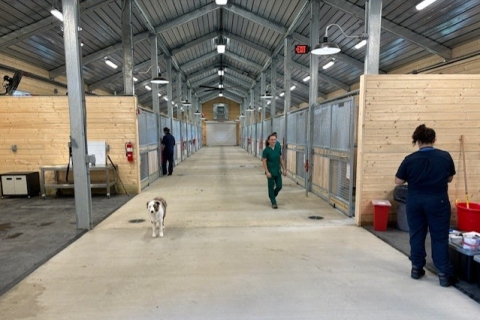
(221, 133)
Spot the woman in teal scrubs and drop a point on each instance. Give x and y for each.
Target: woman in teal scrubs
(274, 168)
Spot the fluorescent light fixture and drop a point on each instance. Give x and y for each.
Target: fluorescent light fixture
(220, 94)
(220, 45)
(328, 65)
(306, 78)
(221, 72)
(361, 44)
(221, 2)
(110, 63)
(135, 79)
(159, 94)
(269, 101)
(148, 88)
(57, 14)
(422, 5)
(293, 87)
(220, 86)
(220, 48)
(282, 94)
(186, 103)
(165, 98)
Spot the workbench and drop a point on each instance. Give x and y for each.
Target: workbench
(109, 181)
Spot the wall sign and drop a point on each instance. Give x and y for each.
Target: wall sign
(301, 49)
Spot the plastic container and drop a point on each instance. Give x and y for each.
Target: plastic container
(468, 219)
(463, 263)
(400, 195)
(476, 260)
(381, 210)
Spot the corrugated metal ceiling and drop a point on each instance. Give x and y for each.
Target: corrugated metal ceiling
(254, 30)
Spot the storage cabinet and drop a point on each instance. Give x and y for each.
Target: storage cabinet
(20, 184)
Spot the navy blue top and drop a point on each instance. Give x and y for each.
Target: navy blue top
(427, 170)
(169, 141)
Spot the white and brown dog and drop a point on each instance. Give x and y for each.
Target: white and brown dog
(158, 210)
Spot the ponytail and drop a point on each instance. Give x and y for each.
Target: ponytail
(423, 134)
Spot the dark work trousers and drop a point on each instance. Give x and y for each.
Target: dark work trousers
(167, 156)
(274, 187)
(429, 212)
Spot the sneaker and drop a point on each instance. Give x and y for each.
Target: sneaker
(417, 273)
(274, 206)
(446, 280)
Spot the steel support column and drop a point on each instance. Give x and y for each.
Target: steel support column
(127, 43)
(273, 91)
(313, 92)
(287, 80)
(263, 104)
(170, 92)
(78, 115)
(374, 30)
(154, 73)
(179, 110)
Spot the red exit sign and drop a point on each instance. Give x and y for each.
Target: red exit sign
(302, 49)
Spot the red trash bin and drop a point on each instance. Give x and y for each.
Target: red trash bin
(381, 210)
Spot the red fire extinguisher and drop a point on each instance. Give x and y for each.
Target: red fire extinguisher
(129, 151)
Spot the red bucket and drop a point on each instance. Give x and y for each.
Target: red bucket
(468, 219)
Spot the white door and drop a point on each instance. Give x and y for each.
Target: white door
(221, 133)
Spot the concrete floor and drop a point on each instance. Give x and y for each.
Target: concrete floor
(227, 254)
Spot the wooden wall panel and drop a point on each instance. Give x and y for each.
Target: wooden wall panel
(390, 108)
(321, 171)
(40, 128)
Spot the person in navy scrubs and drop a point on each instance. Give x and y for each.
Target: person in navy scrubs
(168, 149)
(428, 172)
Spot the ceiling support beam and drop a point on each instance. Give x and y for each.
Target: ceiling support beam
(103, 82)
(195, 14)
(419, 40)
(339, 56)
(244, 61)
(287, 33)
(249, 44)
(161, 42)
(194, 43)
(255, 18)
(199, 60)
(325, 78)
(100, 54)
(46, 24)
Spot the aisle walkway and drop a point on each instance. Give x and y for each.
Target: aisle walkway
(227, 254)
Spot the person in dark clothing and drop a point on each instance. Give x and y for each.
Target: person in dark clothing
(428, 172)
(168, 146)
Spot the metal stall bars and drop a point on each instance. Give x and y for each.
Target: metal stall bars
(333, 175)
